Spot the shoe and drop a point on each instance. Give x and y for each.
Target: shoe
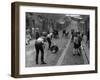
(43, 63)
(73, 54)
(36, 62)
(78, 54)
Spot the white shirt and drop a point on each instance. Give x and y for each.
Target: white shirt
(40, 39)
(50, 34)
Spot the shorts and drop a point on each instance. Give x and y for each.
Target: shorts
(76, 46)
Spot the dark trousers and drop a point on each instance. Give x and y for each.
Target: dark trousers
(39, 47)
(49, 42)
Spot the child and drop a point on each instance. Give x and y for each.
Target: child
(77, 44)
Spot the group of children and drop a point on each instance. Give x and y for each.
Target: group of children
(76, 40)
(40, 44)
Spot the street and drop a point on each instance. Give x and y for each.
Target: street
(63, 57)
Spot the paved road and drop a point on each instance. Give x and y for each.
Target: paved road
(50, 58)
(67, 57)
(62, 57)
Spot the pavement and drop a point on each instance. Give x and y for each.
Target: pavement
(63, 57)
(49, 57)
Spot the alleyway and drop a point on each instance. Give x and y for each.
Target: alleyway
(62, 57)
